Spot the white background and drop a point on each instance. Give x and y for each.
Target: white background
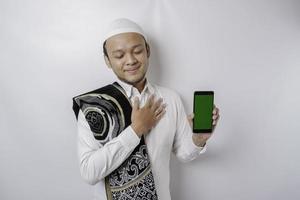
(248, 52)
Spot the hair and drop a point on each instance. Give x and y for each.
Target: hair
(106, 54)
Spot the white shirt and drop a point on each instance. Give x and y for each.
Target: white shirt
(171, 134)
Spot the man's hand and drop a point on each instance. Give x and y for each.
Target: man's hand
(143, 119)
(201, 138)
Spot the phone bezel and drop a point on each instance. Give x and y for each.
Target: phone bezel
(202, 93)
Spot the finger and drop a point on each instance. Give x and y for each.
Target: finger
(216, 110)
(157, 104)
(136, 103)
(160, 109)
(191, 116)
(215, 116)
(160, 115)
(149, 102)
(190, 119)
(215, 121)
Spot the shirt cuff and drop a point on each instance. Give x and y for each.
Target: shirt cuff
(200, 150)
(129, 138)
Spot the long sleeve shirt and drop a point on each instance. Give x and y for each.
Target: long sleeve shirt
(171, 134)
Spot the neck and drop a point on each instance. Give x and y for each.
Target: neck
(140, 85)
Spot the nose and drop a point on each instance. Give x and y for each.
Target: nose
(131, 60)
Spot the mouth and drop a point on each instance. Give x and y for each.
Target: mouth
(132, 70)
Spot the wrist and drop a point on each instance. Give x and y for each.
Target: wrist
(137, 130)
(202, 144)
(198, 141)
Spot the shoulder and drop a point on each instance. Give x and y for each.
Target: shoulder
(87, 96)
(167, 93)
(90, 91)
(106, 87)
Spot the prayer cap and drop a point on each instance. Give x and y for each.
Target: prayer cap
(123, 25)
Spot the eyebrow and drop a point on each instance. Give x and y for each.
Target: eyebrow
(120, 50)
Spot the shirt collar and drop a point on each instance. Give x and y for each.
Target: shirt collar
(129, 88)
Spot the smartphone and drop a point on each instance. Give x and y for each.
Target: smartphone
(203, 108)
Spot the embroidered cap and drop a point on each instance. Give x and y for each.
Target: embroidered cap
(123, 25)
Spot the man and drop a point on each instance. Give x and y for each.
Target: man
(127, 130)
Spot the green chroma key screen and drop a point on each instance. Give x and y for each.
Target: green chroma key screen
(203, 108)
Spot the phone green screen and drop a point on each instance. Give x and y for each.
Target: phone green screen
(203, 108)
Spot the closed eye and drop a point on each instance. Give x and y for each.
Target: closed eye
(118, 56)
(139, 51)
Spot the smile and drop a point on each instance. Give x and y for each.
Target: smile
(133, 70)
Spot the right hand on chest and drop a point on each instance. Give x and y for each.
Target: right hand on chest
(145, 118)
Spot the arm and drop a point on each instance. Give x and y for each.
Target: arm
(183, 145)
(97, 161)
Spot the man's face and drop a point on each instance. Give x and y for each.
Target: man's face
(128, 57)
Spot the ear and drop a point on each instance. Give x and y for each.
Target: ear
(107, 61)
(148, 50)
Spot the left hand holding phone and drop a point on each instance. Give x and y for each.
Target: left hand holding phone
(200, 139)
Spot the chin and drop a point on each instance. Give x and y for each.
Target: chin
(134, 80)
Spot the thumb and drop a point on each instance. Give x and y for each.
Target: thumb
(190, 119)
(136, 103)
(190, 116)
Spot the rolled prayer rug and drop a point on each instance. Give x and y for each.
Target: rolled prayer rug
(108, 112)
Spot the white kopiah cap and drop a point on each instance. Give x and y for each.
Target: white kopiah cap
(123, 25)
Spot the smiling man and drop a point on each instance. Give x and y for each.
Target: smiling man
(128, 129)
